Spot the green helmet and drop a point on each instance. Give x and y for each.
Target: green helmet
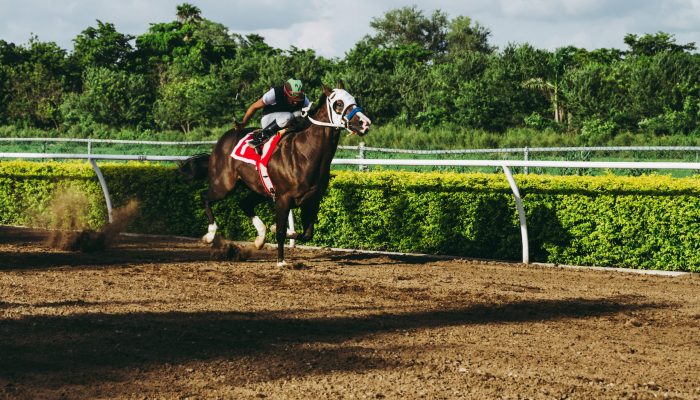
(294, 89)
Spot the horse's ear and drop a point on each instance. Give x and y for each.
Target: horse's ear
(326, 90)
(341, 84)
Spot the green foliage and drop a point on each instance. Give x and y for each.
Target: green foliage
(103, 47)
(414, 71)
(653, 44)
(112, 98)
(537, 122)
(408, 26)
(186, 102)
(36, 77)
(465, 36)
(643, 222)
(596, 132)
(649, 222)
(187, 13)
(675, 122)
(34, 96)
(596, 91)
(26, 190)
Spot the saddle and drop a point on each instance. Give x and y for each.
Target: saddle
(243, 152)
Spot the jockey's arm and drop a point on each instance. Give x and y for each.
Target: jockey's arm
(251, 110)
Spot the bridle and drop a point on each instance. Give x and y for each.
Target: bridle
(338, 119)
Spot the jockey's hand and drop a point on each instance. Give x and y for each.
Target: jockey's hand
(238, 126)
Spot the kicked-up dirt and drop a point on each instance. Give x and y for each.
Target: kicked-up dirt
(153, 318)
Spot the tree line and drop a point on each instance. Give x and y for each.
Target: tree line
(417, 70)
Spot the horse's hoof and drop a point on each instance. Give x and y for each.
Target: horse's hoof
(211, 233)
(209, 238)
(290, 233)
(281, 264)
(259, 242)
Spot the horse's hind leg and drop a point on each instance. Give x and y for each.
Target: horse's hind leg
(207, 199)
(282, 206)
(209, 196)
(248, 207)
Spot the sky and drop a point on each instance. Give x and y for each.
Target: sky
(332, 28)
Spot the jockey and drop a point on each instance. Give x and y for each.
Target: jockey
(280, 105)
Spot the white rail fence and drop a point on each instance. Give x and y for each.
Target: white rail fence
(362, 150)
(505, 165)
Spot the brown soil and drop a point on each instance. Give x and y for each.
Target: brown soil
(155, 318)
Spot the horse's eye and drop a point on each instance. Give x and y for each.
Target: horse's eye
(338, 106)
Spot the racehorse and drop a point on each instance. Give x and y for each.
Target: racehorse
(299, 168)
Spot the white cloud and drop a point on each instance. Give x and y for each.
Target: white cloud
(332, 28)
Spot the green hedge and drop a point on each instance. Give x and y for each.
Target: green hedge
(650, 222)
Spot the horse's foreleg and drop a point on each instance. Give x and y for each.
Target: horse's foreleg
(282, 206)
(248, 207)
(211, 230)
(309, 212)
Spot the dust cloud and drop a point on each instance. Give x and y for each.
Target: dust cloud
(67, 220)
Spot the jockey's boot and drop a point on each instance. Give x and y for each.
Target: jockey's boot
(263, 135)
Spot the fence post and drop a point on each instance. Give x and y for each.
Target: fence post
(361, 156)
(527, 157)
(89, 149)
(521, 213)
(105, 191)
(290, 223)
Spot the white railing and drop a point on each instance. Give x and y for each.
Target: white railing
(504, 164)
(361, 149)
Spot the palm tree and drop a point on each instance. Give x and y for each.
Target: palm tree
(551, 85)
(187, 13)
(552, 91)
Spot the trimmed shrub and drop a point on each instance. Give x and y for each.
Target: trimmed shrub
(650, 222)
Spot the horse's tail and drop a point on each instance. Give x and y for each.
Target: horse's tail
(195, 167)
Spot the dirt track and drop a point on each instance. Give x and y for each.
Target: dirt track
(156, 319)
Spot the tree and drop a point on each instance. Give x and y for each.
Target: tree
(652, 44)
(372, 73)
(10, 56)
(187, 13)
(464, 36)
(497, 100)
(408, 25)
(103, 47)
(35, 83)
(113, 98)
(194, 43)
(34, 96)
(186, 102)
(443, 82)
(156, 46)
(595, 92)
(550, 84)
(664, 88)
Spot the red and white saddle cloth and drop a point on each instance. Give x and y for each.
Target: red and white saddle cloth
(245, 153)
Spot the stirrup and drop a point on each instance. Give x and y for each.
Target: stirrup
(256, 141)
(253, 145)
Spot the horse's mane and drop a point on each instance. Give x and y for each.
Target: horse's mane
(316, 107)
(321, 102)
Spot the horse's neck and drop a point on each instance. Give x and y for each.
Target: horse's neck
(329, 136)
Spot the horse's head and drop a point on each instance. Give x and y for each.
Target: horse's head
(344, 112)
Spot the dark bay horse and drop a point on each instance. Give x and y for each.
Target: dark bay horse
(299, 168)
